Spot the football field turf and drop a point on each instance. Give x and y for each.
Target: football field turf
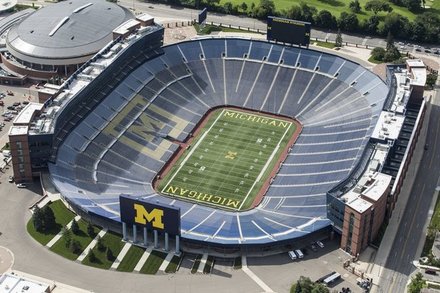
(228, 161)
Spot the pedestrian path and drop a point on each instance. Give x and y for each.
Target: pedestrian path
(143, 259)
(60, 234)
(91, 245)
(120, 256)
(252, 275)
(166, 262)
(202, 263)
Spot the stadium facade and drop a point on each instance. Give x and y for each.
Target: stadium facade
(115, 123)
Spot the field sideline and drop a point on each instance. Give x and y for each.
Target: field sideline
(229, 161)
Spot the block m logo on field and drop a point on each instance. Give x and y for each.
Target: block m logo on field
(143, 216)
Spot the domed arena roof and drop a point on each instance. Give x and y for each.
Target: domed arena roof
(65, 31)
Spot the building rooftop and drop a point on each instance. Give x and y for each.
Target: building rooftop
(25, 115)
(5, 5)
(144, 17)
(388, 126)
(66, 29)
(14, 284)
(18, 130)
(126, 26)
(376, 186)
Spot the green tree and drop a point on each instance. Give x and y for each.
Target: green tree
(67, 236)
(320, 288)
(325, 19)
(395, 24)
(265, 8)
(412, 5)
(378, 53)
(100, 244)
(348, 22)
(371, 24)
(75, 246)
(390, 41)
(417, 284)
(338, 41)
(377, 6)
(90, 230)
(37, 219)
(74, 227)
(244, 6)
(48, 218)
(294, 12)
(109, 254)
(431, 79)
(227, 7)
(355, 6)
(92, 256)
(308, 12)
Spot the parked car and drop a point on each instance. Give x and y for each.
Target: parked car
(292, 255)
(25, 102)
(313, 246)
(320, 244)
(21, 185)
(11, 179)
(2, 103)
(10, 107)
(16, 104)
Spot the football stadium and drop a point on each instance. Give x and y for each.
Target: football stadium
(232, 145)
(121, 146)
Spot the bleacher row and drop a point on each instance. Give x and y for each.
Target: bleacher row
(120, 146)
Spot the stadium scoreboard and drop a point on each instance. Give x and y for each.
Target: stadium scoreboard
(154, 216)
(288, 31)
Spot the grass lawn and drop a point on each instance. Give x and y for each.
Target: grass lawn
(325, 44)
(174, 264)
(62, 217)
(131, 259)
(372, 60)
(153, 262)
(196, 264)
(230, 159)
(82, 237)
(208, 265)
(112, 241)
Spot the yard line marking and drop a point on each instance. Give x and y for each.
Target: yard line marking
(265, 166)
(192, 151)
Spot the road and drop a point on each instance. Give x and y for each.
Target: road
(410, 234)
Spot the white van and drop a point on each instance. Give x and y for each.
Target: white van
(292, 255)
(299, 253)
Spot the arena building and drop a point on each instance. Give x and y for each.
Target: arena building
(55, 40)
(118, 121)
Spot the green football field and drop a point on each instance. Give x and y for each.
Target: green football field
(227, 163)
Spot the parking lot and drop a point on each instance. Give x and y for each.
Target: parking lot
(280, 271)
